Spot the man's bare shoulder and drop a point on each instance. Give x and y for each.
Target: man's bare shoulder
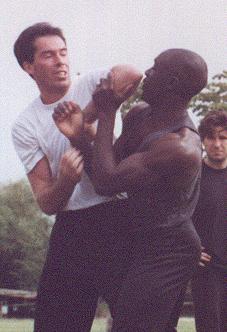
(136, 109)
(180, 151)
(133, 116)
(187, 140)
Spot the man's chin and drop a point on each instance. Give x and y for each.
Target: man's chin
(62, 85)
(144, 97)
(218, 160)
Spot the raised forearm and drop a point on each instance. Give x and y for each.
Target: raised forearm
(83, 143)
(103, 162)
(53, 193)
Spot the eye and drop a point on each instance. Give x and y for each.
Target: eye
(47, 55)
(63, 52)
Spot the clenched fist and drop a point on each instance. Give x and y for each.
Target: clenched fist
(71, 166)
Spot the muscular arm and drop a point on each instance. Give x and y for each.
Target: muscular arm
(52, 194)
(174, 157)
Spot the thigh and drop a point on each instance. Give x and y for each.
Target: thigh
(67, 298)
(114, 248)
(155, 281)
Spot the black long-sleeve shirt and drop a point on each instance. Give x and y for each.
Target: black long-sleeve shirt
(210, 216)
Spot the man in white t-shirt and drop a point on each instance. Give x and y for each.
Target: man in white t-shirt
(86, 256)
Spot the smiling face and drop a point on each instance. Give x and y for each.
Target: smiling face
(216, 147)
(50, 68)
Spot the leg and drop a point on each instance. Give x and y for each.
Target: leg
(66, 298)
(162, 266)
(205, 289)
(223, 301)
(115, 249)
(174, 317)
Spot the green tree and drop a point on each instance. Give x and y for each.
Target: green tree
(24, 234)
(214, 96)
(131, 101)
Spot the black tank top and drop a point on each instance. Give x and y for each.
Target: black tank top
(164, 205)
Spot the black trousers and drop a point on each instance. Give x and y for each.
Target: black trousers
(162, 264)
(88, 253)
(209, 290)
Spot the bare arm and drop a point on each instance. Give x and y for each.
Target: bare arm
(171, 156)
(53, 194)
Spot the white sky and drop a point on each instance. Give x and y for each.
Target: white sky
(101, 33)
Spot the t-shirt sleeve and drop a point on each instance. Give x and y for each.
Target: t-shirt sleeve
(26, 146)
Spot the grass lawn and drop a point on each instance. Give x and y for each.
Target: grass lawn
(26, 325)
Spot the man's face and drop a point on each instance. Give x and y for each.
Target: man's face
(216, 145)
(154, 84)
(50, 68)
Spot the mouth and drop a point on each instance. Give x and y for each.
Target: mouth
(61, 73)
(217, 153)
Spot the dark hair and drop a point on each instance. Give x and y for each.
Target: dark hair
(213, 119)
(24, 46)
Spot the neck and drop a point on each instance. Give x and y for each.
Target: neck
(163, 117)
(215, 164)
(50, 96)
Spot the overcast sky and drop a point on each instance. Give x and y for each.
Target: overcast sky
(101, 33)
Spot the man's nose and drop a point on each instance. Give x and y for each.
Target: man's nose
(217, 142)
(59, 59)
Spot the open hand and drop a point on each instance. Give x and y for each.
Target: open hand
(68, 117)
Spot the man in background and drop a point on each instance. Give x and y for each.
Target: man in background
(209, 284)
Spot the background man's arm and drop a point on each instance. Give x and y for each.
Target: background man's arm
(52, 194)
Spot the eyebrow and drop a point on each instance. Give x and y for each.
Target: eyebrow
(223, 129)
(53, 51)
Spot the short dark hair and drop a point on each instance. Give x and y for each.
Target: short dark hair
(213, 119)
(24, 46)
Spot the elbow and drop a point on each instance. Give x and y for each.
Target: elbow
(102, 189)
(48, 209)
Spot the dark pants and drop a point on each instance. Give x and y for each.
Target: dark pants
(209, 290)
(88, 254)
(163, 262)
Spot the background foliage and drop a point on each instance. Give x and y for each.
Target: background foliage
(24, 234)
(214, 96)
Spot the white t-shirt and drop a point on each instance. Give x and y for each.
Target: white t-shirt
(35, 134)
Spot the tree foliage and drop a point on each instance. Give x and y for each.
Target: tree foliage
(214, 96)
(131, 101)
(24, 234)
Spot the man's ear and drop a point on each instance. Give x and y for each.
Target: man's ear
(173, 82)
(28, 67)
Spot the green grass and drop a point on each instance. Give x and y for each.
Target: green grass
(99, 325)
(16, 325)
(186, 325)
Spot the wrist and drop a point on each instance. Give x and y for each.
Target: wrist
(67, 181)
(103, 115)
